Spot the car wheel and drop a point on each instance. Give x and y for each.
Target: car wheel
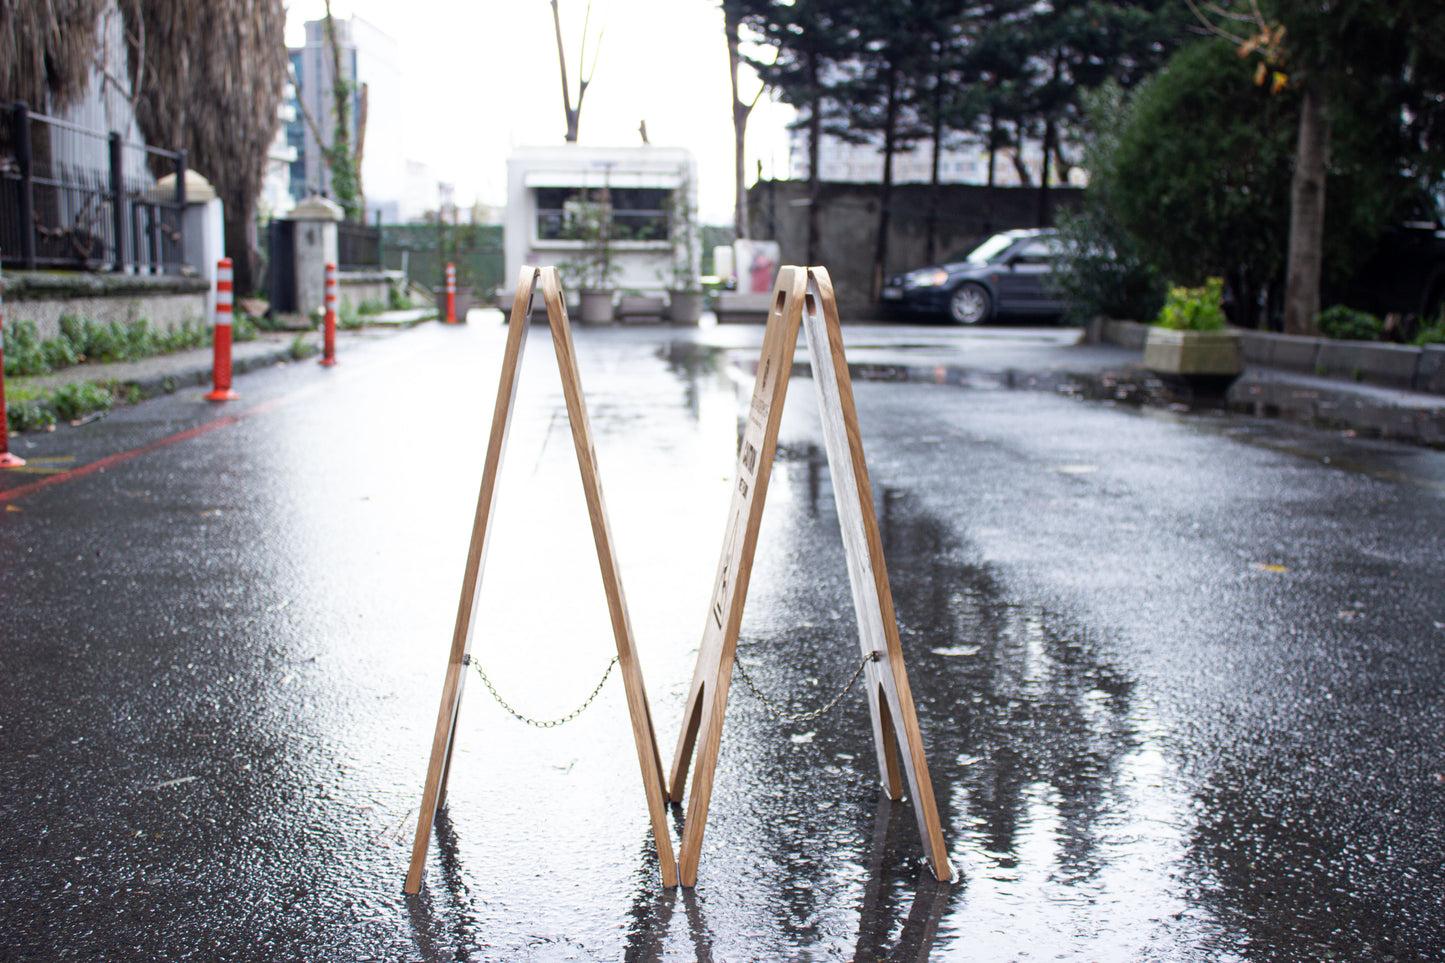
(970, 304)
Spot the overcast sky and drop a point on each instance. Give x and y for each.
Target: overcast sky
(481, 78)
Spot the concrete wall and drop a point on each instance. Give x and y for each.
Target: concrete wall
(43, 296)
(848, 221)
(359, 286)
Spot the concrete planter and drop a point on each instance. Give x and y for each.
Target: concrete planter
(1193, 352)
(642, 308)
(594, 306)
(684, 307)
(463, 302)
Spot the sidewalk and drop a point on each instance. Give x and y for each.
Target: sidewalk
(165, 374)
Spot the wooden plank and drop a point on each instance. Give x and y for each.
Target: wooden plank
(440, 766)
(889, 698)
(707, 697)
(643, 732)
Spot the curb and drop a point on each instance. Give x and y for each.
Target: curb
(157, 385)
(1259, 392)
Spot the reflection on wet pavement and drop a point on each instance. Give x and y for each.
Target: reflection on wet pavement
(216, 711)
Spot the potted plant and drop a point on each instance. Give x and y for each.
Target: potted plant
(593, 269)
(684, 305)
(1191, 336)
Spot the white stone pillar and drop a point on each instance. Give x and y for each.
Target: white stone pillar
(204, 223)
(315, 221)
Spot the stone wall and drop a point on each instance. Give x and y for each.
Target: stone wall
(166, 301)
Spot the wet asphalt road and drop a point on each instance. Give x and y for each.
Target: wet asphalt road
(1180, 675)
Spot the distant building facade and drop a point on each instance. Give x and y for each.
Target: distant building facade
(845, 163)
(370, 57)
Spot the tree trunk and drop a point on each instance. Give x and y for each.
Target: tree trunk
(885, 191)
(1307, 215)
(931, 244)
(740, 127)
(574, 114)
(240, 222)
(992, 149)
(1043, 211)
(815, 135)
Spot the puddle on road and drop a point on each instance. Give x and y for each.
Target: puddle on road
(1073, 834)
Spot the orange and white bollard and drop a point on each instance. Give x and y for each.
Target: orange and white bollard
(451, 293)
(221, 336)
(328, 325)
(7, 460)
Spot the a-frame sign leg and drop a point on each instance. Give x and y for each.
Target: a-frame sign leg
(441, 750)
(643, 732)
(440, 765)
(707, 698)
(804, 296)
(889, 698)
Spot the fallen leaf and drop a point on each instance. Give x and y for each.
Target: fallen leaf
(1269, 567)
(1076, 469)
(958, 650)
(802, 738)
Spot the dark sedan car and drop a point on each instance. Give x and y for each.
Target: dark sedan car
(1007, 274)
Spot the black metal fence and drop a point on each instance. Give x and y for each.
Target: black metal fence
(358, 247)
(76, 198)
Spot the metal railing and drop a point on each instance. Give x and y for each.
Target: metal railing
(71, 197)
(358, 247)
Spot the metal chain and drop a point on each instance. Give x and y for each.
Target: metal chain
(812, 714)
(540, 723)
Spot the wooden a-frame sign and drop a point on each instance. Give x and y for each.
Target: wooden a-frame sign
(641, 717)
(806, 296)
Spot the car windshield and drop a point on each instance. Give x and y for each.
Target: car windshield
(989, 250)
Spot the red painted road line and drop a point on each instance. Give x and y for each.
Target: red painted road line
(124, 456)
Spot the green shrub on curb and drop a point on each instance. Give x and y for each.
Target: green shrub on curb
(1347, 324)
(28, 416)
(81, 398)
(1194, 309)
(24, 353)
(81, 340)
(31, 410)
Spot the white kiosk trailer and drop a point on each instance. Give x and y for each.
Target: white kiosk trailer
(619, 223)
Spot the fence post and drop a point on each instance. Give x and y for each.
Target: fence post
(451, 293)
(328, 334)
(117, 200)
(7, 460)
(25, 160)
(221, 336)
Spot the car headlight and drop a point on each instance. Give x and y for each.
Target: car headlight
(926, 278)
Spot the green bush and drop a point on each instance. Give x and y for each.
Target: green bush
(28, 416)
(73, 400)
(1432, 333)
(1347, 324)
(1101, 268)
(1194, 309)
(370, 306)
(24, 354)
(396, 298)
(348, 317)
